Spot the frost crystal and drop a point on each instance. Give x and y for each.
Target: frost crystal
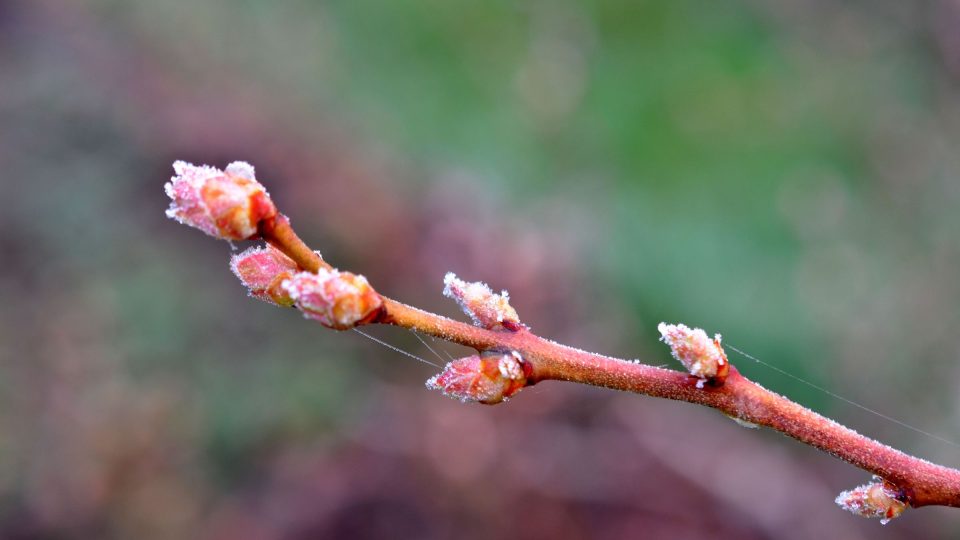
(703, 357)
(742, 423)
(486, 309)
(338, 300)
(225, 204)
(241, 169)
(877, 499)
(488, 379)
(511, 366)
(262, 270)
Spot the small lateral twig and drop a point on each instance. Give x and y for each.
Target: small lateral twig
(511, 357)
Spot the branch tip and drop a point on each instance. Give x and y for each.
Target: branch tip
(228, 204)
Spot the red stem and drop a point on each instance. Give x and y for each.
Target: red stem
(278, 231)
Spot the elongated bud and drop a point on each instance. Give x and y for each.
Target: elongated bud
(338, 300)
(488, 310)
(225, 204)
(877, 499)
(262, 270)
(488, 378)
(703, 357)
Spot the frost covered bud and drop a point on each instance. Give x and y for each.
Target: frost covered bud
(338, 300)
(226, 204)
(703, 357)
(262, 270)
(877, 499)
(488, 310)
(488, 378)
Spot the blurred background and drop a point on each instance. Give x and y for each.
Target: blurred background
(782, 173)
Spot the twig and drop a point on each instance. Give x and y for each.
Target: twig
(510, 357)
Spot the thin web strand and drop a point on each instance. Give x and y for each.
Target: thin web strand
(841, 398)
(397, 349)
(445, 352)
(425, 344)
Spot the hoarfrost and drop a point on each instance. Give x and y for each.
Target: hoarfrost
(241, 169)
(743, 423)
(692, 347)
(478, 301)
(874, 500)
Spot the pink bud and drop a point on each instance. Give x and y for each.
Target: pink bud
(338, 300)
(488, 378)
(225, 204)
(703, 357)
(262, 270)
(877, 499)
(488, 310)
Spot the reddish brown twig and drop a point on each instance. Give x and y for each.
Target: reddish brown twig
(511, 357)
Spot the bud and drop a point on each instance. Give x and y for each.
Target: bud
(488, 378)
(703, 357)
(488, 310)
(262, 270)
(225, 204)
(878, 499)
(338, 300)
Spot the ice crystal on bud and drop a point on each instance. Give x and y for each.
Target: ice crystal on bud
(703, 357)
(877, 499)
(262, 270)
(241, 169)
(226, 204)
(488, 310)
(338, 300)
(489, 378)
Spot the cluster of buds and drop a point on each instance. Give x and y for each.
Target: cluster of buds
(703, 357)
(491, 376)
(231, 204)
(878, 499)
(338, 300)
(487, 378)
(228, 204)
(486, 309)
